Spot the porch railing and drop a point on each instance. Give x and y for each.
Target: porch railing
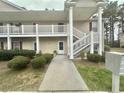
(31, 30)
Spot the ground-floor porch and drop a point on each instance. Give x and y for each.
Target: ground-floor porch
(46, 44)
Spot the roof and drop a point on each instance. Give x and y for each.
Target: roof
(33, 16)
(83, 10)
(12, 4)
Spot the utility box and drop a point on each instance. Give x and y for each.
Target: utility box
(115, 62)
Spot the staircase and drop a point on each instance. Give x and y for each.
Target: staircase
(82, 42)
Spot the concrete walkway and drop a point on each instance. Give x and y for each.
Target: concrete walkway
(62, 75)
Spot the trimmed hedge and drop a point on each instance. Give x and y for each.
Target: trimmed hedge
(9, 54)
(94, 57)
(48, 57)
(107, 48)
(18, 63)
(38, 62)
(102, 58)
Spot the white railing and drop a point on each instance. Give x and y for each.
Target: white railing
(45, 29)
(82, 42)
(3, 30)
(79, 34)
(31, 30)
(96, 37)
(60, 29)
(14, 30)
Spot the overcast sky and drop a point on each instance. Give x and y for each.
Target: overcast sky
(42, 4)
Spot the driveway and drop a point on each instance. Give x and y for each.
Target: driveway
(62, 75)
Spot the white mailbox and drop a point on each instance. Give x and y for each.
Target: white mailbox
(115, 62)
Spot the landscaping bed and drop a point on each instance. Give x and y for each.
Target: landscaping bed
(27, 79)
(96, 76)
(23, 70)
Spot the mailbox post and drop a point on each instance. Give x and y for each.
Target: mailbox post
(115, 63)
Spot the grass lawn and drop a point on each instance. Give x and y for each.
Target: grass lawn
(118, 50)
(23, 80)
(96, 76)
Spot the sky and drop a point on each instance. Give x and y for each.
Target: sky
(42, 4)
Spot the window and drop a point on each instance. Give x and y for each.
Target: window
(17, 45)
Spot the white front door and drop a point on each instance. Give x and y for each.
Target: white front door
(61, 47)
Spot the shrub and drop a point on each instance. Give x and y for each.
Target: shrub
(102, 59)
(55, 52)
(82, 55)
(39, 54)
(27, 53)
(93, 57)
(38, 62)
(122, 46)
(48, 57)
(18, 62)
(9, 54)
(107, 48)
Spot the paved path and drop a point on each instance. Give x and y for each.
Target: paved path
(62, 75)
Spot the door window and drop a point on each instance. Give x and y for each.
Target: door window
(61, 46)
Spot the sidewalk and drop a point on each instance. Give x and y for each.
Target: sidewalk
(62, 75)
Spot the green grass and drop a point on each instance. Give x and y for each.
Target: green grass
(96, 76)
(117, 50)
(23, 80)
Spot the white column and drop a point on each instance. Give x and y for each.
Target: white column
(92, 42)
(71, 32)
(52, 29)
(22, 29)
(68, 42)
(100, 30)
(103, 37)
(37, 40)
(8, 38)
(115, 83)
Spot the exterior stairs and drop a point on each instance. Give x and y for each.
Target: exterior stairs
(83, 41)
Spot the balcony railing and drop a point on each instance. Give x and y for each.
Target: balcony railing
(31, 30)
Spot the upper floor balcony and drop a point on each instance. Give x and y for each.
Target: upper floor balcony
(33, 30)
